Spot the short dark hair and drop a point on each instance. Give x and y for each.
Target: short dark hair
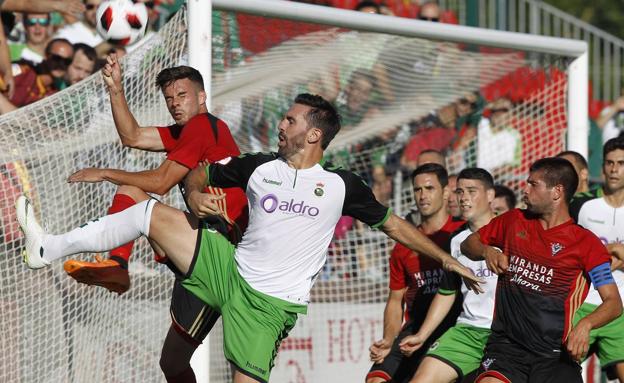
(169, 75)
(431, 168)
(612, 145)
(368, 4)
(323, 116)
(580, 160)
(477, 174)
(501, 191)
(558, 171)
(87, 50)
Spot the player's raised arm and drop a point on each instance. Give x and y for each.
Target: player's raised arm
(130, 133)
(402, 231)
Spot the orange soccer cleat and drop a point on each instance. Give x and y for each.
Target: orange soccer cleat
(107, 273)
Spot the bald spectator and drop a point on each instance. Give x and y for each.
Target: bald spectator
(83, 31)
(429, 11)
(430, 156)
(504, 200)
(38, 29)
(581, 167)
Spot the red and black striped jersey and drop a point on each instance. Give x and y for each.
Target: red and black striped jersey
(421, 275)
(547, 279)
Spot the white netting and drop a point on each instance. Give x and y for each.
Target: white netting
(398, 96)
(56, 330)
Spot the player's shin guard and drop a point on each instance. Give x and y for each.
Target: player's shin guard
(101, 234)
(120, 203)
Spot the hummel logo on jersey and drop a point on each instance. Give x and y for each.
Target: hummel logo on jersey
(276, 183)
(595, 221)
(487, 363)
(555, 248)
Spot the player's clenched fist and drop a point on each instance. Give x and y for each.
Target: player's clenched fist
(578, 340)
(379, 350)
(205, 204)
(111, 73)
(496, 260)
(411, 343)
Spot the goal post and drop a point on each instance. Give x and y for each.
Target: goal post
(426, 76)
(578, 118)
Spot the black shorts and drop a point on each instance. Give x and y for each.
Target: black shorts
(396, 367)
(510, 362)
(191, 317)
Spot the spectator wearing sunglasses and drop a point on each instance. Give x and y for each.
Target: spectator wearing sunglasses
(37, 28)
(430, 12)
(83, 31)
(33, 83)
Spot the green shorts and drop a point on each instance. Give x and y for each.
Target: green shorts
(606, 340)
(254, 323)
(461, 347)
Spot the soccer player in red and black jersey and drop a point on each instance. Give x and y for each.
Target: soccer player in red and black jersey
(197, 136)
(545, 265)
(414, 280)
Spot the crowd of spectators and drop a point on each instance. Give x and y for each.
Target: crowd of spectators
(49, 45)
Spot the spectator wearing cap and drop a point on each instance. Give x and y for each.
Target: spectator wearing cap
(37, 27)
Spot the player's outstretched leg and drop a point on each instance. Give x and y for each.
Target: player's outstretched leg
(171, 229)
(111, 273)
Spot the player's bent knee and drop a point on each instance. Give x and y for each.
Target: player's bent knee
(376, 379)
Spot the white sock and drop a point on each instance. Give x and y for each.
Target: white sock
(101, 234)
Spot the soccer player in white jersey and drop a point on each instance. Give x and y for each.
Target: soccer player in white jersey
(459, 351)
(604, 216)
(295, 200)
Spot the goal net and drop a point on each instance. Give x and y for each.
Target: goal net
(481, 106)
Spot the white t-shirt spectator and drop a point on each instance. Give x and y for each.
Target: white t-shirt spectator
(612, 128)
(499, 148)
(78, 32)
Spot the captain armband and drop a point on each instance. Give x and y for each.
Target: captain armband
(601, 275)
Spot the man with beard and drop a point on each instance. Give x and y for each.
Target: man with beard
(545, 267)
(260, 286)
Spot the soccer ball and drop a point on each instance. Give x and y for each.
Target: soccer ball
(121, 22)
